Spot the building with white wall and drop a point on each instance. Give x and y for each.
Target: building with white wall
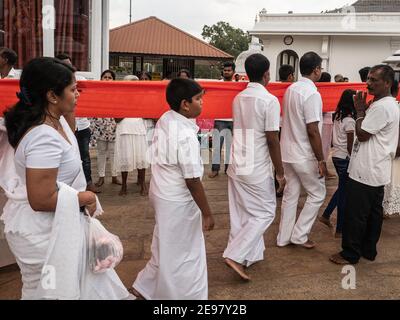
(349, 39)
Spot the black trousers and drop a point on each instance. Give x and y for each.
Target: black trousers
(363, 218)
(83, 138)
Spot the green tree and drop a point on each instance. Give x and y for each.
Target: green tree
(226, 38)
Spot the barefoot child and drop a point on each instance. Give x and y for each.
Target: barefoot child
(177, 269)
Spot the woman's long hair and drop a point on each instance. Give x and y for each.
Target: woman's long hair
(39, 76)
(345, 106)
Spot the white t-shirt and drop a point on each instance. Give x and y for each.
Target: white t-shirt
(255, 111)
(340, 130)
(81, 123)
(302, 105)
(175, 156)
(371, 161)
(45, 148)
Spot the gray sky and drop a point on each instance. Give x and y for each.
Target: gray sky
(192, 15)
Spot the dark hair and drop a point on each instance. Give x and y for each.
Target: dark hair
(10, 55)
(285, 71)
(364, 73)
(141, 74)
(63, 56)
(229, 64)
(309, 62)
(256, 66)
(184, 71)
(181, 89)
(110, 72)
(395, 88)
(345, 106)
(386, 71)
(39, 76)
(325, 77)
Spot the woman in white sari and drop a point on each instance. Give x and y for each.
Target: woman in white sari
(45, 185)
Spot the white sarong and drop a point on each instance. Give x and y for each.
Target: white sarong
(252, 210)
(177, 269)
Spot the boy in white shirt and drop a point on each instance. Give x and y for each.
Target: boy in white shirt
(377, 134)
(178, 268)
(255, 150)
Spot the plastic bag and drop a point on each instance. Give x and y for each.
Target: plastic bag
(105, 248)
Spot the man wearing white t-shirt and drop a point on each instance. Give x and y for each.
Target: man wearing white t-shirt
(256, 149)
(83, 134)
(377, 134)
(302, 155)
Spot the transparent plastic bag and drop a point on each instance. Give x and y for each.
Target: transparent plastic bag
(105, 248)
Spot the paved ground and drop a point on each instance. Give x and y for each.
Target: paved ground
(286, 273)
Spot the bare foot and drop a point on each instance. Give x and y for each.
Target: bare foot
(325, 221)
(238, 268)
(213, 174)
(143, 191)
(116, 181)
(123, 191)
(338, 259)
(100, 182)
(92, 187)
(308, 245)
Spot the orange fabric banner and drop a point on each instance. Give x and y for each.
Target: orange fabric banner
(147, 99)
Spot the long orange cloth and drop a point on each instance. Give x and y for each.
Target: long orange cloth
(147, 99)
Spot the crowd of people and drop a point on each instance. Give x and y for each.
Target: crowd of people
(266, 156)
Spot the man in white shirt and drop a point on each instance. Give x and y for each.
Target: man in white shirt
(377, 133)
(8, 59)
(222, 132)
(83, 134)
(302, 155)
(256, 149)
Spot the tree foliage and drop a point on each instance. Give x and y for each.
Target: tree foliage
(226, 38)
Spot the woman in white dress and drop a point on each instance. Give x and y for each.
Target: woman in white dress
(391, 201)
(103, 132)
(131, 150)
(47, 162)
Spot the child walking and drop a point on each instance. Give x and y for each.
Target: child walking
(177, 269)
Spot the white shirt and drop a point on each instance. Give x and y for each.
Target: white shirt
(340, 130)
(255, 111)
(302, 105)
(175, 156)
(81, 123)
(13, 74)
(45, 148)
(371, 161)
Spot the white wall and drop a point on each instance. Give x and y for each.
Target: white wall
(350, 54)
(273, 46)
(347, 54)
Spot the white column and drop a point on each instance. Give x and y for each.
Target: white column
(48, 25)
(325, 52)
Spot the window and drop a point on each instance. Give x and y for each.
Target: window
(21, 28)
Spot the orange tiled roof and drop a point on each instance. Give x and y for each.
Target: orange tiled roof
(154, 36)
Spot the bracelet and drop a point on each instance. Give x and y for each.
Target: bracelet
(359, 118)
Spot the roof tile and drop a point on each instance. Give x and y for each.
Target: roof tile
(154, 36)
